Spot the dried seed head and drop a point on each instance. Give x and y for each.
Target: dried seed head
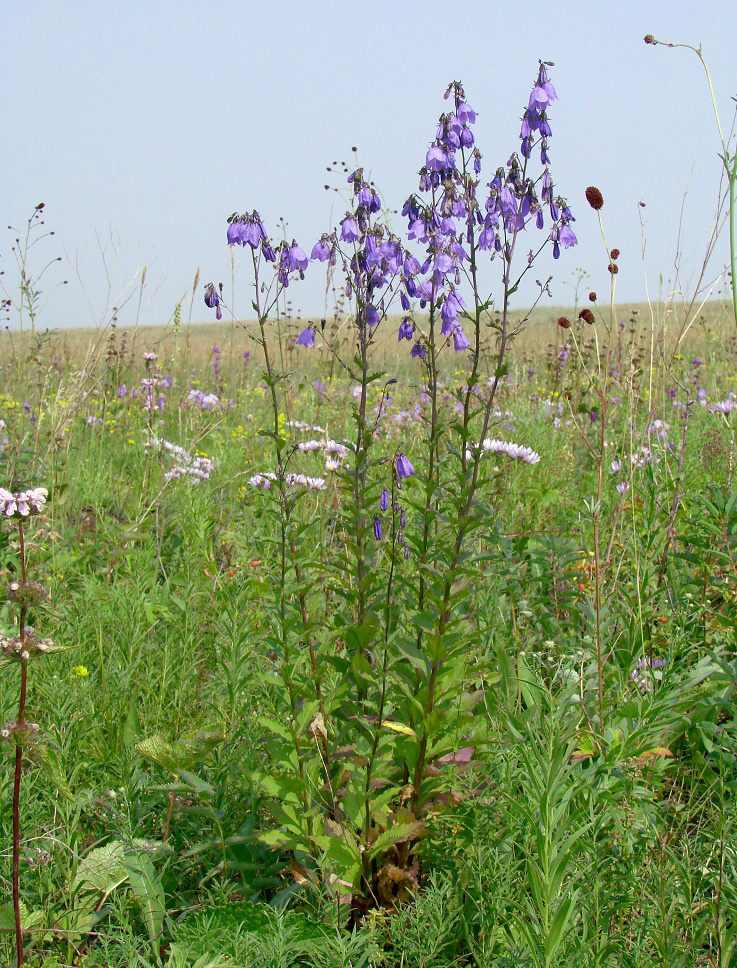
(564, 322)
(614, 254)
(613, 268)
(587, 316)
(594, 198)
(592, 297)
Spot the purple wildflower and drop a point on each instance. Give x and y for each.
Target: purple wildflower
(306, 337)
(406, 329)
(404, 467)
(212, 300)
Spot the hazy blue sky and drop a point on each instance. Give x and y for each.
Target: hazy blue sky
(149, 122)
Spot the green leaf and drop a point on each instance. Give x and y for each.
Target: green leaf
(132, 728)
(146, 885)
(399, 833)
(559, 926)
(7, 917)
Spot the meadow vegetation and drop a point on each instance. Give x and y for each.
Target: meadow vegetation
(319, 650)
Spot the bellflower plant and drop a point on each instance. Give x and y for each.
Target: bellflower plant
(373, 693)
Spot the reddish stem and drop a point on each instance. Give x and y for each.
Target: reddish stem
(19, 766)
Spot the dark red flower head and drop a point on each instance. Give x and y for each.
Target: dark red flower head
(594, 198)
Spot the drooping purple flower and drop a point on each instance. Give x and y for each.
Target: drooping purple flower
(404, 467)
(349, 229)
(378, 532)
(460, 340)
(212, 300)
(306, 337)
(384, 499)
(320, 251)
(235, 233)
(436, 159)
(296, 259)
(567, 236)
(372, 316)
(406, 329)
(419, 350)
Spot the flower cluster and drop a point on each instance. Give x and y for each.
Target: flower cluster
(644, 676)
(334, 451)
(248, 230)
(266, 479)
(195, 469)
(17, 649)
(491, 445)
(23, 503)
(203, 401)
(723, 406)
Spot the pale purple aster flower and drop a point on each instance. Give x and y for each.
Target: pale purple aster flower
(623, 487)
(723, 406)
(513, 451)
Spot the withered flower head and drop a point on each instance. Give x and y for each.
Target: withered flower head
(564, 322)
(587, 316)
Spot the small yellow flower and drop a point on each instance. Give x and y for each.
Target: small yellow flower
(80, 671)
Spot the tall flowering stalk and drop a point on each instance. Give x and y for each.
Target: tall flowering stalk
(22, 649)
(375, 686)
(448, 217)
(273, 266)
